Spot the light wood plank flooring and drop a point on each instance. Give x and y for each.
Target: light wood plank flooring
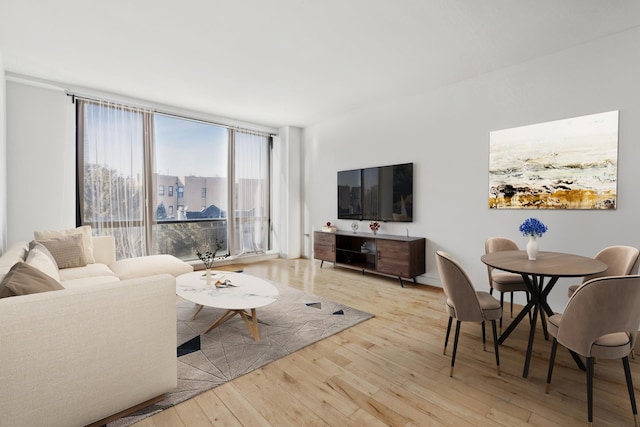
(390, 370)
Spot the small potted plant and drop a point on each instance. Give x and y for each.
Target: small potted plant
(374, 226)
(208, 257)
(533, 228)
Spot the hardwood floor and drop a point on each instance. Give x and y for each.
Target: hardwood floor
(390, 370)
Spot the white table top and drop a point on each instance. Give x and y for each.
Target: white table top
(246, 291)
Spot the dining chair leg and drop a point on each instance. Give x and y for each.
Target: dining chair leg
(446, 338)
(632, 397)
(484, 338)
(501, 308)
(495, 345)
(455, 347)
(511, 304)
(552, 359)
(544, 325)
(590, 366)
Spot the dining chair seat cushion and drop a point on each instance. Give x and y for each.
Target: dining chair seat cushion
(508, 282)
(451, 311)
(489, 306)
(612, 346)
(553, 323)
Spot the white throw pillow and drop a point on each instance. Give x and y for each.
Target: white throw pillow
(15, 253)
(40, 258)
(85, 231)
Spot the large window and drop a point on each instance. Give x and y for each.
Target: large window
(220, 177)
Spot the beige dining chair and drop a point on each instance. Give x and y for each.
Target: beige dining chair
(465, 304)
(620, 260)
(502, 281)
(600, 320)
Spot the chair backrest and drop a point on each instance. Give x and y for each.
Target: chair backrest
(602, 306)
(458, 288)
(620, 260)
(497, 244)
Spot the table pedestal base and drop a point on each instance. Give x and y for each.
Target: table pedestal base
(252, 324)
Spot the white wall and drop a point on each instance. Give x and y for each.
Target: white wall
(446, 134)
(3, 161)
(40, 160)
(286, 192)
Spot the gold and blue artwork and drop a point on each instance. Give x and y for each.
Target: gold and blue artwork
(563, 164)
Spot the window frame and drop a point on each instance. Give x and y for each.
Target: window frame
(155, 193)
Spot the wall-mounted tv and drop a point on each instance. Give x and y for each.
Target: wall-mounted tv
(383, 193)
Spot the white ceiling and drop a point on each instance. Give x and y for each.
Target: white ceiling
(289, 62)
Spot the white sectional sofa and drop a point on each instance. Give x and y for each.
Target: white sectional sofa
(100, 346)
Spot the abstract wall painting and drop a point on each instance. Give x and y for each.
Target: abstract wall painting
(563, 164)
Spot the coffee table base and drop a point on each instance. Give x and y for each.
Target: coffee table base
(251, 325)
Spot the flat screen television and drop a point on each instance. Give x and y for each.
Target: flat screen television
(350, 194)
(383, 193)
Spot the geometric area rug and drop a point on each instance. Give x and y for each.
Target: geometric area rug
(295, 320)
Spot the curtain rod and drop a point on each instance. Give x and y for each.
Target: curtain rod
(154, 109)
(96, 95)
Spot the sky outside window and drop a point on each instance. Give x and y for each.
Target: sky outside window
(189, 148)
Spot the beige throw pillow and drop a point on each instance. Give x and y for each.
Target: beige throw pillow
(84, 231)
(40, 257)
(68, 251)
(24, 279)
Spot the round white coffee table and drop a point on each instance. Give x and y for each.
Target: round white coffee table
(245, 292)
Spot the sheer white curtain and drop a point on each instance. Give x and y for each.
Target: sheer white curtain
(119, 194)
(111, 179)
(251, 192)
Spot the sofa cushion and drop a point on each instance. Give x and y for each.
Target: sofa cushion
(104, 249)
(84, 231)
(40, 257)
(85, 282)
(24, 279)
(150, 265)
(68, 251)
(89, 270)
(16, 252)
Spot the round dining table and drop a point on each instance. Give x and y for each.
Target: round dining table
(540, 276)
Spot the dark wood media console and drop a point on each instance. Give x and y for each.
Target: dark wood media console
(403, 257)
